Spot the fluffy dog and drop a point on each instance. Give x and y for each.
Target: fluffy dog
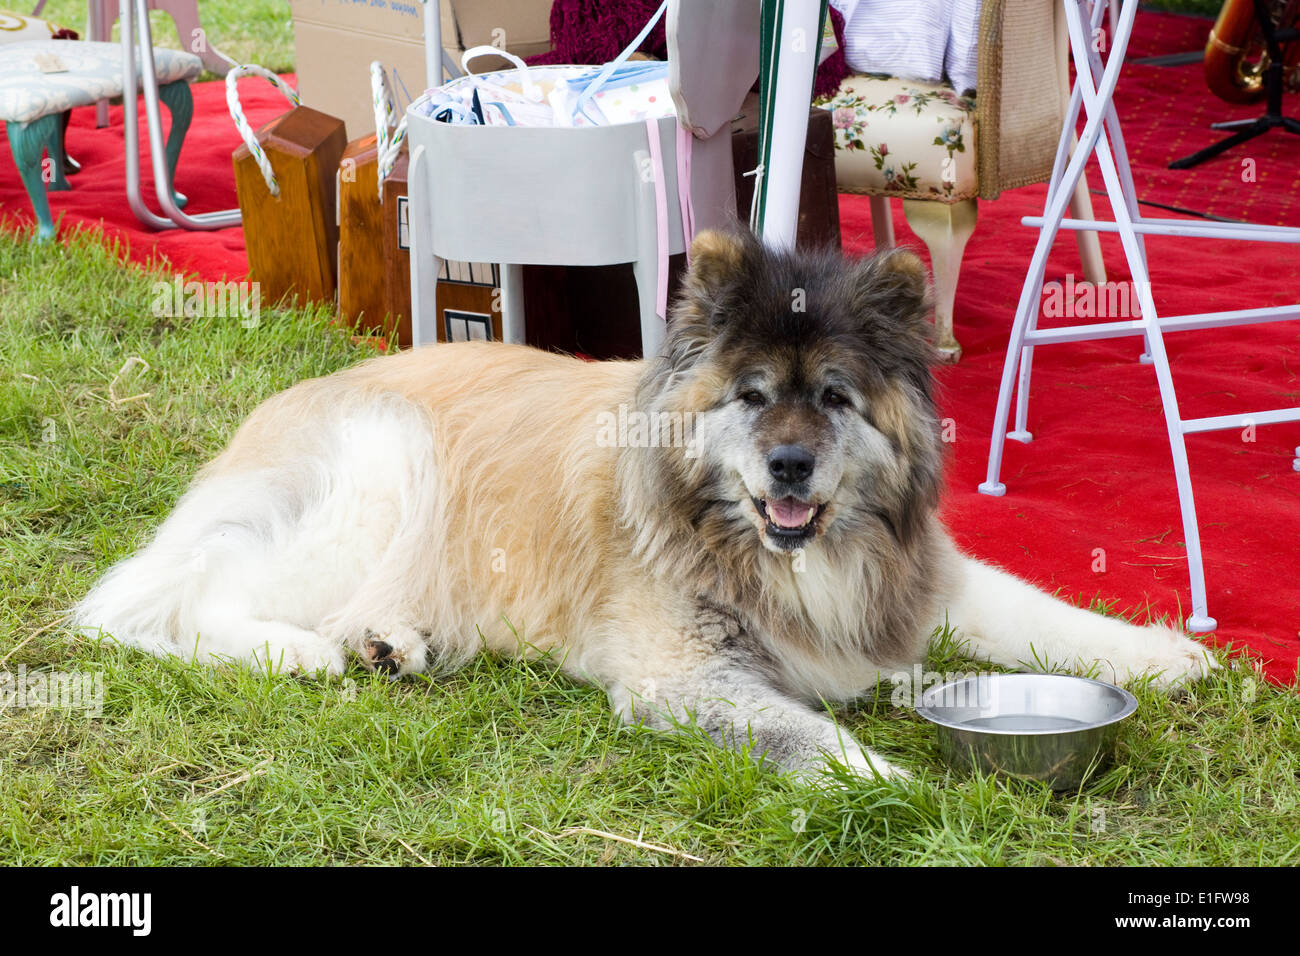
(729, 534)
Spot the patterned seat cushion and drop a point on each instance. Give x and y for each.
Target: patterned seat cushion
(903, 138)
(93, 71)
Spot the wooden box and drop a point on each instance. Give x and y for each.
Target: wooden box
(374, 258)
(292, 238)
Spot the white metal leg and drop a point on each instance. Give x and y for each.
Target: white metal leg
(1066, 145)
(1031, 293)
(139, 38)
(1094, 91)
(95, 27)
(512, 303)
(1117, 139)
(99, 27)
(882, 222)
(424, 264)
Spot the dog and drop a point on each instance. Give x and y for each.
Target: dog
(729, 535)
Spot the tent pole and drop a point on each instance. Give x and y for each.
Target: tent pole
(796, 65)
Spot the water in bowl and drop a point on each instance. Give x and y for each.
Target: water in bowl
(1025, 722)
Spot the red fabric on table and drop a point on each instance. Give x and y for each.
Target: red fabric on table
(1098, 473)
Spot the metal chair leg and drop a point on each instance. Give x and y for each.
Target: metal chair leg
(28, 141)
(137, 35)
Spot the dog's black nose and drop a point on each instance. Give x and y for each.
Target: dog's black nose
(790, 463)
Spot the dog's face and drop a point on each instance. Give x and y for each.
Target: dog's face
(808, 380)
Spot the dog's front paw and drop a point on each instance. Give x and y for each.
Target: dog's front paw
(396, 652)
(1168, 656)
(860, 762)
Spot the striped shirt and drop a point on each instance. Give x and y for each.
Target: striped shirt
(912, 39)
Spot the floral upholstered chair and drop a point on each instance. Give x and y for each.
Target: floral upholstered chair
(941, 150)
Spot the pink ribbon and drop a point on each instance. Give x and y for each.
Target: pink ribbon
(683, 149)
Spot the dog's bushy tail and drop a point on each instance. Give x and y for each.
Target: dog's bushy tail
(150, 600)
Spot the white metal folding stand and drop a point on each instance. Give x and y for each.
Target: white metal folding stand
(1094, 91)
(137, 37)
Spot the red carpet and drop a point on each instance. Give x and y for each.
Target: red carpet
(1098, 473)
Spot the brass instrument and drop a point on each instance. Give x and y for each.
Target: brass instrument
(1236, 58)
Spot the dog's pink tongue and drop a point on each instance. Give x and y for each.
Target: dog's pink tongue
(789, 512)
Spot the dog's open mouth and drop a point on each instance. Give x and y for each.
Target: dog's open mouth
(789, 520)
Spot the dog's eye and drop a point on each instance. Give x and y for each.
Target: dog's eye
(753, 398)
(834, 399)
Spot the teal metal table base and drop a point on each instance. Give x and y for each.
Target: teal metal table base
(180, 103)
(58, 161)
(29, 142)
(32, 142)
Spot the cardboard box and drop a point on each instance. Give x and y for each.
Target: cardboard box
(336, 40)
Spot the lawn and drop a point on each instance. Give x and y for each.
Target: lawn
(503, 762)
(248, 31)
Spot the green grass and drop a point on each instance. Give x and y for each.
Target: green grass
(249, 31)
(503, 762)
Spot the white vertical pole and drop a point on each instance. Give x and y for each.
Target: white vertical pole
(513, 322)
(432, 43)
(796, 64)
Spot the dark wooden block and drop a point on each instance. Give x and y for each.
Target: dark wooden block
(292, 239)
(468, 297)
(397, 252)
(374, 255)
(363, 297)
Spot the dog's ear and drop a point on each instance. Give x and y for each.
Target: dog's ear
(907, 266)
(718, 266)
(889, 295)
(893, 290)
(897, 277)
(716, 258)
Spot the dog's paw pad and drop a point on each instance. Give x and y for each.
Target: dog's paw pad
(397, 652)
(379, 655)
